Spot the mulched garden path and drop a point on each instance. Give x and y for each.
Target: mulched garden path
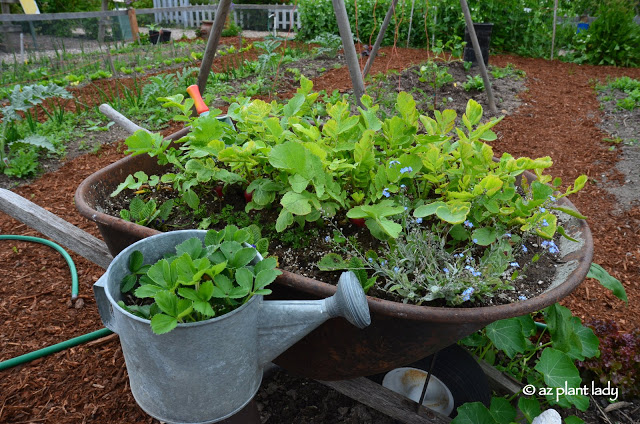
(89, 383)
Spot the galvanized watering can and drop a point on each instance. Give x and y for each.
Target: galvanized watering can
(207, 371)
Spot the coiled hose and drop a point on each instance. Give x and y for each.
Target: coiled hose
(18, 360)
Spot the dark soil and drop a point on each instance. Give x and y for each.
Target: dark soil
(559, 116)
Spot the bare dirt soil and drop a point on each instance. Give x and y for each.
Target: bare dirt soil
(559, 116)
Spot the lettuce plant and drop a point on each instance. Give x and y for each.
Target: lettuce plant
(200, 281)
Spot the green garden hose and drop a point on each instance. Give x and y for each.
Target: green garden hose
(27, 357)
(65, 255)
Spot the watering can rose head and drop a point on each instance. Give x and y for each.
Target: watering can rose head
(199, 280)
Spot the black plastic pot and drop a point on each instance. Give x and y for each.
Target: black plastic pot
(153, 36)
(483, 32)
(165, 36)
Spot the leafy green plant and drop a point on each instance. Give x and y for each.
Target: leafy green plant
(436, 76)
(544, 360)
(612, 39)
(100, 75)
(473, 83)
(202, 280)
(508, 71)
(22, 163)
(329, 43)
(145, 213)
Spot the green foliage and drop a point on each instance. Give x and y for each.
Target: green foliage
(514, 346)
(201, 280)
(607, 281)
(147, 213)
(474, 83)
(508, 71)
(330, 44)
(612, 39)
(231, 29)
(630, 87)
(21, 163)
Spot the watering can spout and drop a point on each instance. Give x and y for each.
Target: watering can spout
(283, 322)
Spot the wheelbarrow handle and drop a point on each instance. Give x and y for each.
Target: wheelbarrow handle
(120, 119)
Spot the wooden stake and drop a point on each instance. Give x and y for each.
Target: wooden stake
(212, 45)
(133, 21)
(350, 53)
(553, 34)
(376, 46)
(479, 58)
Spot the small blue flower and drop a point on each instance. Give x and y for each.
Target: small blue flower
(466, 295)
(383, 262)
(475, 240)
(553, 199)
(507, 235)
(515, 264)
(418, 220)
(403, 186)
(544, 244)
(393, 162)
(468, 224)
(253, 245)
(396, 269)
(521, 297)
(327, 239)
(524, 248)
(553, 248)
(543, 210)
(405, 208)
(406, 169)
(445, 270)
(545, 223)
(469, 268)
(468, 260)
(476, 273)
(385, 192)
(370, 260)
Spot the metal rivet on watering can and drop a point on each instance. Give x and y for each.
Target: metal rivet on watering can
(207, 371)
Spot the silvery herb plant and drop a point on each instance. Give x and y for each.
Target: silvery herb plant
(201, 280)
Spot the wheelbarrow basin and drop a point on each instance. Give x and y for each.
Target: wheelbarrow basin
(399, 333)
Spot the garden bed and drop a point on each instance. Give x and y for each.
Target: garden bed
(558, 116)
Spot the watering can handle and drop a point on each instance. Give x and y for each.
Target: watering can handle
(350, 301)
(104, 306)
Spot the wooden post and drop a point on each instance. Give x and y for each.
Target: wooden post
(350, 53)
(376, 45)
(413, 3)
(212, 45)
(553, 34)
(133, 21)
(102, 25)
(479, 58)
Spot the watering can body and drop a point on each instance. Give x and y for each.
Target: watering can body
(207, 371)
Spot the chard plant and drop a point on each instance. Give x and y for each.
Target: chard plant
(201, 280)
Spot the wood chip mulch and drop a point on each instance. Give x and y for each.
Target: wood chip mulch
(89, 383)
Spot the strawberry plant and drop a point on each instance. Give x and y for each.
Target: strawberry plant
(201, 280)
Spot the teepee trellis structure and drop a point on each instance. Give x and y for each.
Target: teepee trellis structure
(351, 56)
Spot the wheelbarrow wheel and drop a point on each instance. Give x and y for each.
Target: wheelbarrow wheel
(454, 368)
